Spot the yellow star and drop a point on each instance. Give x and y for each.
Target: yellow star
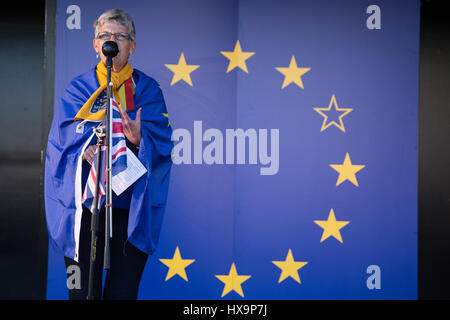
(347, 171)
(293, 74)
(289, 267)
(177, 265)
(344, 111)
(232, 281)
(181, 71)
(237, 57)
(167, 116)
(331, 227)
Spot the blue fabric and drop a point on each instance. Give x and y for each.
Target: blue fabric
(149, 193)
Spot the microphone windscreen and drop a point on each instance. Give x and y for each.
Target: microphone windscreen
(110, 49)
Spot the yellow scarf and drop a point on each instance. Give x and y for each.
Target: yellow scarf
(118, 78)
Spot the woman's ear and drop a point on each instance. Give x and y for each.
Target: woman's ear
(132, 47)
(95, 45)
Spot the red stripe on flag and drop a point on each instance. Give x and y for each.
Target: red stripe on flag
(93, 174)
(129, 94)
(95, 181)
(118, 151)
(117, 127)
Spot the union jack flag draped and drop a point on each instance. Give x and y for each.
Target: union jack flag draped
(118, 160)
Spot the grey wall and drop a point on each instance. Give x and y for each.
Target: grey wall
(23, 247)
(434, 152)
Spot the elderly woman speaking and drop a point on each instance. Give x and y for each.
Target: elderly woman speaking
(141, 130)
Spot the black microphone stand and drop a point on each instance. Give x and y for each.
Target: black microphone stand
(110, 50)
(100, 132)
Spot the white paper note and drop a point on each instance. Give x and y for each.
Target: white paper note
(135, 169)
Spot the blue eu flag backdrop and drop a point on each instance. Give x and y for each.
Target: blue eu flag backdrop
(295, 133)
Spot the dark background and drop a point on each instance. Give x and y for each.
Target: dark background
(434, 152)
(27, 61)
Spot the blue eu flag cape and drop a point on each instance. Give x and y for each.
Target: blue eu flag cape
(63, 166)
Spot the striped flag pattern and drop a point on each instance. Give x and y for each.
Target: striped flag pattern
(118, 143)
(89, 190)
(118, 160)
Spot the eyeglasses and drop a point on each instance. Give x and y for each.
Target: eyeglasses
(117, 36)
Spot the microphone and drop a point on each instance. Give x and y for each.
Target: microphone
(110, 50)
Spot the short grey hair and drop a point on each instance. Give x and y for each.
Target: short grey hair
(118, 16)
